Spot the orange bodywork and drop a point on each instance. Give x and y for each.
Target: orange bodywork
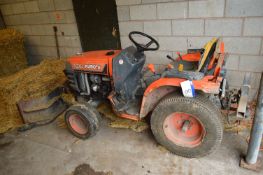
(212, 62)
(128, 116)
(164, 86)
(191, 57)
(94, 61)
(205, 84)
(100, 62)
(209, 84)
(221, 60)
(122, 115)
(151, 67)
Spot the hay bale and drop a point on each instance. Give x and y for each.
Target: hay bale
(12, 52)
(33, 82)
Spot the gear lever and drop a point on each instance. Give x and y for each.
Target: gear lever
(170, 58)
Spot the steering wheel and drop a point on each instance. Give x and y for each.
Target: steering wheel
(143, 47)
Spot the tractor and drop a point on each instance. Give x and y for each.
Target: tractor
(183, 120)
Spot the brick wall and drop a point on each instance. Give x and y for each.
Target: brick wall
(176, 24)
(182, 24)
(36, 18)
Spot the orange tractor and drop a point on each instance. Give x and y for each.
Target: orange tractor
(184, 120)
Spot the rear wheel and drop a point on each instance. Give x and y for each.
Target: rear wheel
(189, 127)
(82, 120)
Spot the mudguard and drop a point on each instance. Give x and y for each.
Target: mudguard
(163, 86)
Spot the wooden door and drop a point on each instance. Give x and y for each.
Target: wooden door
(97, 24)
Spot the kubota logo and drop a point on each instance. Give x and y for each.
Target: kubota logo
(87, 66)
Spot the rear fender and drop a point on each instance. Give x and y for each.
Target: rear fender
(163, 86)
(151, 99)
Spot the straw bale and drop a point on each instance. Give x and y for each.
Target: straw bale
(29, 83)
(12, 52)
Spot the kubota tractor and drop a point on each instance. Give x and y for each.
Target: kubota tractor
(186, 126)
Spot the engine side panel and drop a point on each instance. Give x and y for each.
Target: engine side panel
(89, 73)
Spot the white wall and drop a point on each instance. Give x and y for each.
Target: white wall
(36, 18)
(182, 24)
(176, 24)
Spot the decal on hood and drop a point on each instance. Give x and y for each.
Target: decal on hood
(89, 67)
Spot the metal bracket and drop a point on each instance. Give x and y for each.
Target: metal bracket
(242, 104)
(254, 167)
(44, 108)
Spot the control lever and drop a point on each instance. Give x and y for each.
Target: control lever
(170, 58)
(180, 65)
(179, 55)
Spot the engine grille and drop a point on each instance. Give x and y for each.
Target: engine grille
(71, 80)
(78, 81)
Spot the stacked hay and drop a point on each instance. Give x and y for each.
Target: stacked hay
(12, 52)
(26, 84)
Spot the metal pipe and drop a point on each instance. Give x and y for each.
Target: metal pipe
(2, 21)
(56, 40)
(257, 129)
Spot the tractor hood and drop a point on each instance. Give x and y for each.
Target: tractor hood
(94, 61)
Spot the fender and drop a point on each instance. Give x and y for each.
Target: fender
(163, 86)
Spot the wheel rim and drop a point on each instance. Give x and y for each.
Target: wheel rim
(78, 124)
(184, 129)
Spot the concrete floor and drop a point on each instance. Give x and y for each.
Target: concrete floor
(53, 150)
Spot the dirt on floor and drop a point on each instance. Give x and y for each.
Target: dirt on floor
(12, 52)
(86, 169)
(243, 127)
(240, 126)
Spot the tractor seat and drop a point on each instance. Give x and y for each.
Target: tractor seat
(188, 65)
(198, 59)
(194, 69)
(207, 56)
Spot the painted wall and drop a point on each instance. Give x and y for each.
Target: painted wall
(36, 18)
(179, 25)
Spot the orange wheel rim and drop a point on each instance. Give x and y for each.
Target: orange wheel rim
(78, 124)
(184, 129)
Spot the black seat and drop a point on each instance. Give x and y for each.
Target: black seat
(191, 70)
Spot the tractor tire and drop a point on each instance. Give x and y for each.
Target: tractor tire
(82, 120)
(188, 127)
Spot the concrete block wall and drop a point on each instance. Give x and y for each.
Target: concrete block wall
(36, 18)
(182, 24)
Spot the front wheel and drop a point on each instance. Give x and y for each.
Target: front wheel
(188, 127)
(82, 120)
